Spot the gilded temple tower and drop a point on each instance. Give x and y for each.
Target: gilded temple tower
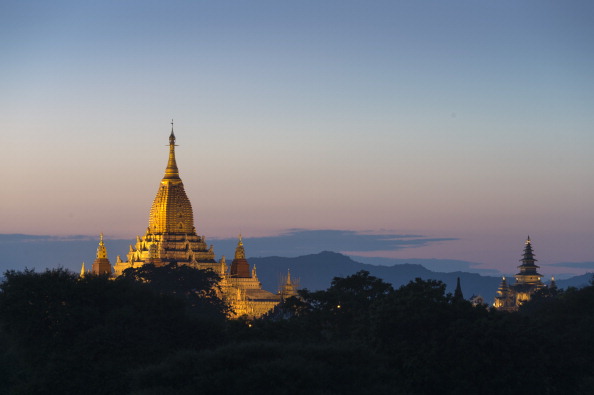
(170, 235)
(101, 265)
(240, 266)
(288, 287)
(171, 211)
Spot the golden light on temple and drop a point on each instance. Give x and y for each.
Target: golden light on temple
(510, 296)
(171, 237)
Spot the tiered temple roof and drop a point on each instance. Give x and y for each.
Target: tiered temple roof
(528, 281)
(171, 237)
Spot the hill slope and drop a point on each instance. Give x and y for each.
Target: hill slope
(316, 271)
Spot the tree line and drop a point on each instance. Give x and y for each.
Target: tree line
(163, 330)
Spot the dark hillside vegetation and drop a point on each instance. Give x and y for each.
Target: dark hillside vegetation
(153, 332)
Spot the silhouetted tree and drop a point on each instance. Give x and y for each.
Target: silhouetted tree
(341, 311)
(67, 334)
(199, 288)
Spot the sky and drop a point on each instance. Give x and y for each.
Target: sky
(466, 123)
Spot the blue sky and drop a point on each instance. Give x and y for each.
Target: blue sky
(462, 120)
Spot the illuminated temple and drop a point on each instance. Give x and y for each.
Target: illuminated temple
(171, 237)
(528, 281)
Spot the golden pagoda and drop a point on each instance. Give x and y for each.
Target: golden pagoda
(171, 237)
(242, 289)
(101, 265)
(289, 287)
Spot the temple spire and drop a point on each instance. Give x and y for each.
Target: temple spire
(458, 296)
(528, 255)
(101, 265)
(101, 250)
(240, 266)
(239, 250)
(553, 284)
(528, 269)
(289, 288)
(171, 211)
(171, 172)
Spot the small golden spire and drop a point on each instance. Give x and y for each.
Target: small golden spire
(171, 172)
(101, 250)
(82, 270)
(528, 240)
(239, 250)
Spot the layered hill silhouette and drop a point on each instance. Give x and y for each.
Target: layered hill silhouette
(316, 271)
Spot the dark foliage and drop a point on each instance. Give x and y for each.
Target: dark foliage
(197, 287)
(160, 331)
(269, 368)
(65, 334)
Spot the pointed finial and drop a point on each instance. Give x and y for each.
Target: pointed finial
(82, 270)
(240, 242)
(172, 136)
(171, 172)
(528, 240)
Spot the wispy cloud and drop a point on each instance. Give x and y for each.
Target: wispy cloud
(50, 251)
(18, 251)
(295, 242)
(437, 265)
(575, 265)
(22, 238)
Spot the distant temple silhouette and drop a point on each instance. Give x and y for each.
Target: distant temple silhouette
(528, 281)
(171, 237)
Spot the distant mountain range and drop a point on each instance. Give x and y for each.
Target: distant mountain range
(316, 271)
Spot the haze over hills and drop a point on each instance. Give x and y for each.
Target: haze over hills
(315, 271)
